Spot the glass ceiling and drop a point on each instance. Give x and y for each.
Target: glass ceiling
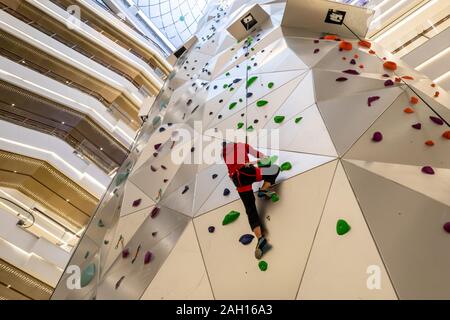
(177, 19)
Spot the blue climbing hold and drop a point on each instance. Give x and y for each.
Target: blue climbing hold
(226, 192)
(246, 239)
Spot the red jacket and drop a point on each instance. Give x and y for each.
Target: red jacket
(235, 155)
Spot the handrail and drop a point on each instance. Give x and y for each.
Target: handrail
(33, 218)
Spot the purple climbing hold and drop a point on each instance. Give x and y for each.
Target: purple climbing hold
(157, 146)
(163, 167)
(137, 202)
(148, 257)
(211, 229)
(155, 154)
(341, 79)
(427, 170)
(388, 83)
(186, 188)
(316, 50)
(154, 234)
(166, 180)
(226, 192)
(386, 75)
(372, 99)
(353, 61)
(214, 176)
(154, 212)
(437, 120)
(377, 136)
(316, 41)
(351, 71)
(447, 227)
(125, 253)
(246, 239)
(417, 126)
(119, 282)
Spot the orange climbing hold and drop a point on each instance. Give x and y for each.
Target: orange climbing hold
(344, 58)
(433, 85)
(345, 45)
(408, 78)
(356, 56)
(361, 66)
(330, 37)
(429, 143)
(414, 100)
(371, 51)
(446, 135)
(398, 79)
(436, 94)
(408, 110)
(390, 65)
(364, 43)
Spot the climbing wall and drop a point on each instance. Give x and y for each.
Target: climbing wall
(364, 206)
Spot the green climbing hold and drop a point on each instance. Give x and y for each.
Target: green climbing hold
(231, 89)
(270, 85)
(297, 120)
(261, 103)
(230, 217)
(251, 80)
(286, 166)
(227, 74)
(342, 227)
(274, 197)
(232, 105)
(250, 128)
(121, 177)
(240, 100)
(278, 119)
(240, 125)
(263, 265)
(87, 275)
(225, 86)
(267, 162)
(249, 68)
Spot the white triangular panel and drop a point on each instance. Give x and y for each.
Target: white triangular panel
(183, 275)
(353, 256)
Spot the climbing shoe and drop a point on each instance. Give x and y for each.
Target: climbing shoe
(268, 194)
(261, 247)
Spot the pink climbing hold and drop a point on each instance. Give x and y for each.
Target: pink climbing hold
(154, 212)
(341, 79)
(447, 227)
(427, 170)
(125, 253)
(417, 126)
(148, 257)
(377, 137)
(437, 120)
(137, 202)
(372, 99)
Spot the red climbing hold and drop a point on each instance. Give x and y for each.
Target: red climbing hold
(408, 110)
(427, 170)
(330, 37)
(364, 43)
(345, 45)
(429, 143)
(446, 135)
(414, 100)
(390, 65)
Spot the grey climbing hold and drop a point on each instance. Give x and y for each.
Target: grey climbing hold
(87, 275)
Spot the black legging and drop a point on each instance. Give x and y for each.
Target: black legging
(248, 177)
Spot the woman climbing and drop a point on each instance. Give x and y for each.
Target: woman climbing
(244, 173)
